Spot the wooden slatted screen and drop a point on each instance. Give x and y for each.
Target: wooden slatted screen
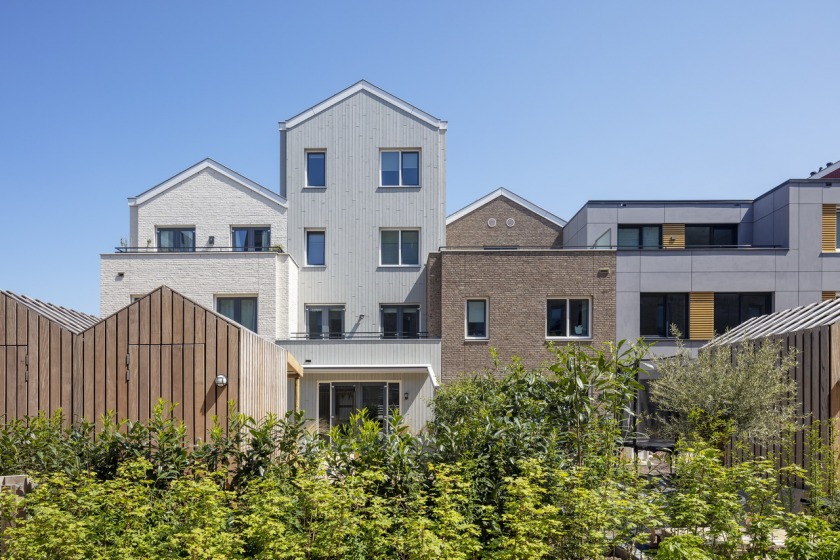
(828, 295)
(829, 228)
(673, 236)
(701, 315)
(161, 346)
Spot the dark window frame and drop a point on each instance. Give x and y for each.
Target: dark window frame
(250, 234)
(710, 238)
(400, 321)
(743, 314)
(641, 244)
(327, 316)
(664, 331)
(178, 247)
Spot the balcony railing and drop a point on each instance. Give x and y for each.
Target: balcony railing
(208, 249)
(357, 335)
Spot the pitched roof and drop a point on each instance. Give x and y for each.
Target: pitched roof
(199, 167)
(831, 171)
(802, 318)
(74, 321)
(502, 192)
(362, 85)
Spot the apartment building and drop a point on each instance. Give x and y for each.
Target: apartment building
(707, 266)
(331, 267)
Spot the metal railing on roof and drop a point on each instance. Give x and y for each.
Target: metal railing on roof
(207, 249)
(357, 335)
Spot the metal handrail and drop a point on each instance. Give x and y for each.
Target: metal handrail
(210, 249)
(361, 335)
(604, 247)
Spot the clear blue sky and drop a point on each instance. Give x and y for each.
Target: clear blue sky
(558, 101)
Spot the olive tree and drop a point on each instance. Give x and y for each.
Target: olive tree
(742, 390)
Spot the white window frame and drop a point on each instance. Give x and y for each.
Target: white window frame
(306, 233)
(569, 335)
(306, 168)
(401, 151)
(486, 301)
(399, 248)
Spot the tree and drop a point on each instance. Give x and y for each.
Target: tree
(742, 391)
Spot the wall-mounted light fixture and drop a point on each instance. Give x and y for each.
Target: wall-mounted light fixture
(211, 240)
(405, 396)
(362, 316)
(221, 380)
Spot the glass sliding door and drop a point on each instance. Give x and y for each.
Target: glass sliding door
(338, 401)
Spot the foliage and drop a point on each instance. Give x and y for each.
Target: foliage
(743, 391)
(517, 465)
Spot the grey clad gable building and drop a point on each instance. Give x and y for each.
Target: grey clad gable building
(352, 265)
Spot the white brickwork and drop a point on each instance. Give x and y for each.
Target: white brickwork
(202, 277)
(212, 203)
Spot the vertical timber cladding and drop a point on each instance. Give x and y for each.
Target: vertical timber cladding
(701, 315)
(829, 228)
(164, 346)
(36, 354)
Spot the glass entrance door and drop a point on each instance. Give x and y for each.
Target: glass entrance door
(338, 401)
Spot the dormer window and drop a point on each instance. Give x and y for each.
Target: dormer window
(175, 240)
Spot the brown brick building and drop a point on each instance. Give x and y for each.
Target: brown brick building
(509, 285)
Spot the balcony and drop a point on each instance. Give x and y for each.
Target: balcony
(208, 249)
(357, 335)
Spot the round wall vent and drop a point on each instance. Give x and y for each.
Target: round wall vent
(491, 222)
(510, 222)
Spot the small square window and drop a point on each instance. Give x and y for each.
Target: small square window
(400, 168)
(316, 248)
(400, 321)
(324, 321)
(568, 318)
(316, 169)
(399, 247)
(476, 319)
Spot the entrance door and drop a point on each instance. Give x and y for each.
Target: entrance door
(344, 403)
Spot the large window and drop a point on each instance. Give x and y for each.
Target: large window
(176, 239)
(243, 310)
(568, 318)
(316, 248)
(639, 237)
(324, 321)
(316, 169)
(711, 235)
(476, 318)
(400, 321)
(733, 309)
(660, 311)
(251, 238)
(400, 169)
(400, 247)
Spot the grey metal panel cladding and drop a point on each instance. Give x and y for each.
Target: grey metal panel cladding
(706, 213)
(353, 207)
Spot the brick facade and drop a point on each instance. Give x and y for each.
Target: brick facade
(529, 229)
(517, 285)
